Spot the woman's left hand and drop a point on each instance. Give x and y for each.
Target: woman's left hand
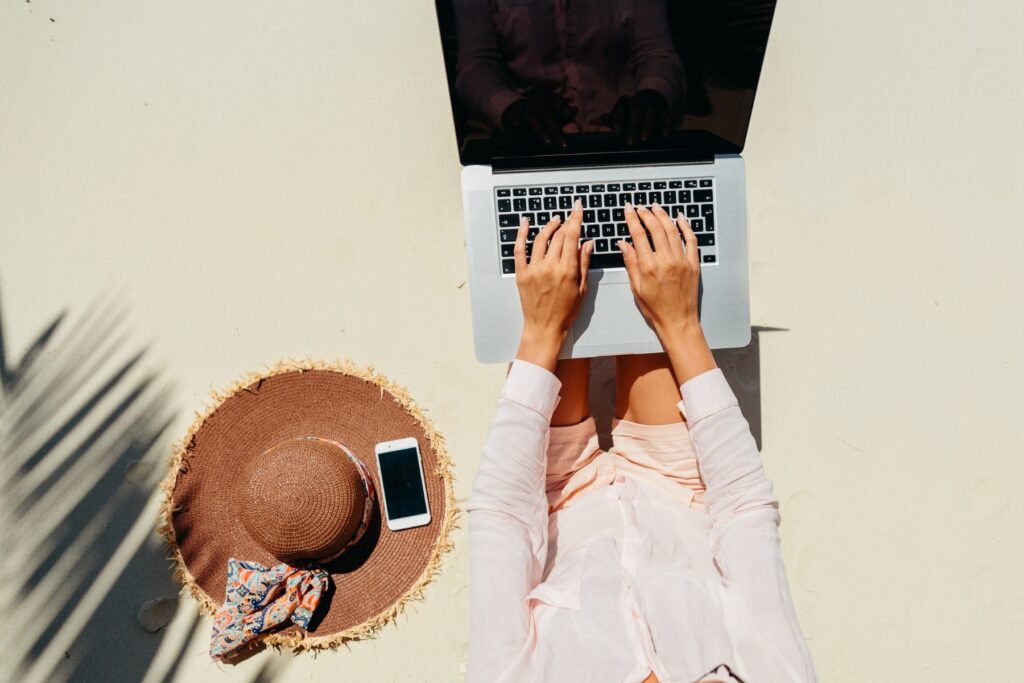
(551, 286)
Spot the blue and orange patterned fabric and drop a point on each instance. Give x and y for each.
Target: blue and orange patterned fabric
(260, 598)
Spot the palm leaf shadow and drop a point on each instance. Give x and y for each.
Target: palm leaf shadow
(84, 421)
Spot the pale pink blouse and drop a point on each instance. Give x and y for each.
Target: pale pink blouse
(628, 579)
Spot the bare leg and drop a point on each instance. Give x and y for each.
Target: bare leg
(574, 406)
(646, 391)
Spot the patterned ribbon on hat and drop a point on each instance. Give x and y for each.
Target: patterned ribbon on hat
(259, 598)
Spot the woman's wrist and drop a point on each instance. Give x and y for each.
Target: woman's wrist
(687, 349)
(541, 347)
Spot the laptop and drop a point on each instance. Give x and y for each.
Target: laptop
(606, 102)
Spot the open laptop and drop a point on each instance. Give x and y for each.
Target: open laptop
(607, 101)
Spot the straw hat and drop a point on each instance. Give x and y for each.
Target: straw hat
(279, 475)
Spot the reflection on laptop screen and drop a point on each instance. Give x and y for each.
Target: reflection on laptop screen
(551, 78)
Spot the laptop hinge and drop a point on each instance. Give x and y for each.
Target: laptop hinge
(584, 161)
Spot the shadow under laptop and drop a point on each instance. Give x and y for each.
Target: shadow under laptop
(741, 367)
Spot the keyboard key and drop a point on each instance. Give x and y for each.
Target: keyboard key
(697, 225)
(640, 198)
(504, 205)
(535, 190)
(709, 222)
(508, 266)
(628, 187)
(706, 182)
(608, 230)
(654, 198)
(607, 260)
(677, 211)
(707, 210)
(670, 196)
(604, 215)
(560, 215)
(597, 188)
(690, 183)
(518, 191)
(625, 197)
(692, 211)
(643, 186)
(532, 232)
(508, 220)
(705, 240)
(618, 214)
(508, 250)
(536, 204)
(519, 204)
(588, 216)
(543, 218)
(684, 197)
(593, 231)
(622, 230)
(580, 189)
(550, 203)
(610, 200)
(508, 235)
(613, 187)
(709, 258)
(601, 245)
(531, 217)
(504, 192)
(565, 202)
(565, 189)
(674, 184)
(594, 201)
(702, 196)
(660, 185)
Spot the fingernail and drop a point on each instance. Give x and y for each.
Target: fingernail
(655, 204)
(577, 205)
(629, 206)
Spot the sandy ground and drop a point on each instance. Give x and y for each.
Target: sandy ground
(218, 185)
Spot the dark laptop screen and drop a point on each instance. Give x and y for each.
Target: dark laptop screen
(538, 82)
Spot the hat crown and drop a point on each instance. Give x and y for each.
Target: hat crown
(302, 499)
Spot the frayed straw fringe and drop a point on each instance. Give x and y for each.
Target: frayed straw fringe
(301, 641)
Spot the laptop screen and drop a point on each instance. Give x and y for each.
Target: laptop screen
(562, 82)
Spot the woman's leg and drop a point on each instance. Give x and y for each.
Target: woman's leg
(574, 406)
(646, 391)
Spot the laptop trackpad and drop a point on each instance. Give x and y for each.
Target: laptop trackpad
(610, 317)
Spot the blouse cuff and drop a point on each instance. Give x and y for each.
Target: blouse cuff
(532, 386)
(704, 395)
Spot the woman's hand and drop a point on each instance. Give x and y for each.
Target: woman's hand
(665, 281)
(551, 286)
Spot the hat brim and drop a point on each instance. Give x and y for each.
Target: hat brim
(373, 580)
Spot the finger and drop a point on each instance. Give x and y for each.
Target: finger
(540, 242)
(666, 124)
(636, 230)
(675, 244)
(585, 251)
(618, 117)
(647, 128)
(654, 227)
(629, 258)
(692, 253)
(535, 125)
(633, 123)
(573, 226)
(553, 127)
(519, 250)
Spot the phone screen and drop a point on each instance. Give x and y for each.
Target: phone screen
(403, 485)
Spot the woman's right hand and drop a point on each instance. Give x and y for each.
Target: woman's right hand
(665, 282)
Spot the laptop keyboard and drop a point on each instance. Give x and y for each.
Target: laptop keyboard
(604, 219)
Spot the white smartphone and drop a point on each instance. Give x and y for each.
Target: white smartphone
(402, 486)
